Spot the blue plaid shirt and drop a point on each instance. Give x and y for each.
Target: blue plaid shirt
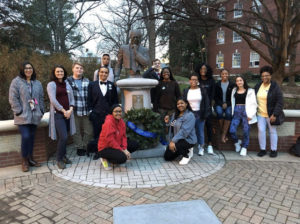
(80, 97)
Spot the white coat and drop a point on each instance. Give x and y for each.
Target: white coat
(250, 104)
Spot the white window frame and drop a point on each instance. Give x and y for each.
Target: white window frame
(236, 57)
(238, 7)
(254, 59)
(220, 63)
(221, 14)
(219, 40)
(259, 6)
(236, 37)
(255, 32)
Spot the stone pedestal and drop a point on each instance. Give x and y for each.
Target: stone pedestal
(136, 92)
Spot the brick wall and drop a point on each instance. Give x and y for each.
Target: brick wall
(284, 142)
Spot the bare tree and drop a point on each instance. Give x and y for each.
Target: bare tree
(276, 28)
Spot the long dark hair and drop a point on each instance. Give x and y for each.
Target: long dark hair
(245, 82)
(162, 71)
(22, 68)
(53, 77)
(188, 107)
(209, 72)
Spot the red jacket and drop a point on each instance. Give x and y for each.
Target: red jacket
(113, 134)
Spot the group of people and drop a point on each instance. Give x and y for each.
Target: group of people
(89, 110)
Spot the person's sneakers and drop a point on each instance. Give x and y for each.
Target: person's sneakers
(66, 160)
(81, 152)
(105, 164)
(201, 150)
(243, 152)
(191, 152)
(262, 153)
(184, 161)
(210, 150)
(238, 146)
(61, 165)
(273, 154)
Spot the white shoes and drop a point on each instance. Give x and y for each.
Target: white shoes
(210, 150)
(238, 146)
(105, 164)
(191, 152)
(184, 161)
(201, 150)
(243, 152)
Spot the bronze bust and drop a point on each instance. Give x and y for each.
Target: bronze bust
(133, 57)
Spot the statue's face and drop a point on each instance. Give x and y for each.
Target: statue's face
(135, 39)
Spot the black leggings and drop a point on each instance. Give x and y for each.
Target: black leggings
(116, 156)
(208, 124)
(182, 148)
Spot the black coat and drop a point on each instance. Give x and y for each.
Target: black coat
(204, 105)
(219, 94)
(97, 102)
(274, 99)
(151, 74)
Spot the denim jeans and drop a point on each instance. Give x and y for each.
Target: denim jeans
(27, 139)
(262, 123)
(199, 128)
(240, 116)
(62, 126)
(220, 112)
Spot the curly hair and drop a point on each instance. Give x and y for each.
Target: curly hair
(209, 73)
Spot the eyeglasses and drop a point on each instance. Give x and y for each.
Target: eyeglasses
(117, 111)
(28, 68)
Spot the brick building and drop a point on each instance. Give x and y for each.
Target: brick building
(226, 49)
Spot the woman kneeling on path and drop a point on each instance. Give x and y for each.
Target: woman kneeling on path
(182, 135)
(113, 145)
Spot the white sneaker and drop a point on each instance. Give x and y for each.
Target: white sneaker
(201, 150)
(238, 146)
(210, 150)
(184, 161)
(243, 152)
(105, 164)
(191, 152)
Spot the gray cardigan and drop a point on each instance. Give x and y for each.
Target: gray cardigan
(19, 96)
(51, 90)
(184, 128)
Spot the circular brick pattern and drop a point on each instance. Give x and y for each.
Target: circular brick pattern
(137, 173)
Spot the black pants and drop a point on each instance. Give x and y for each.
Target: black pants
(182, 148)
(62, 126)
(97, 122)
(116, 156)
(208, 124)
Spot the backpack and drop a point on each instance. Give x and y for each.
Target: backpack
(295, 149)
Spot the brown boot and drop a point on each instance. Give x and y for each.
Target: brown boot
(221, 124)
(32, 162)
(25, 167)
(225, 130)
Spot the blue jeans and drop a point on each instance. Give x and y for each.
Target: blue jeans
(62, 125)
(220, 113)
(240, 116)
(27, 142)
(199, 128)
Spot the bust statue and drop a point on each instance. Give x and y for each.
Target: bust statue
(133, 57)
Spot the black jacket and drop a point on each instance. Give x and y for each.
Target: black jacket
(219, 94)
(97, 102)
(209, 85)
(151, 74)
(274, 99)
(205, 103)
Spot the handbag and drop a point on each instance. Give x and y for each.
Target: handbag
(279, 119)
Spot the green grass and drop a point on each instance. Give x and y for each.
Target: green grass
(180, 78)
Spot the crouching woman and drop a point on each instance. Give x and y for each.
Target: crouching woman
(181, 133)
(113, 145)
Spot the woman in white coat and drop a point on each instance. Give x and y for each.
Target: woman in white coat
(244, 107)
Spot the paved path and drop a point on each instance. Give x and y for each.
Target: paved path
(244, 190)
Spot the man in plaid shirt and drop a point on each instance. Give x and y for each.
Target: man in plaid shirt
(84, 130)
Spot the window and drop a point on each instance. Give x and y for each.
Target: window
(236, 60)
(255, 31)
(220, 37)
(221, 13)
(254, 59)
(256, 6)
(220, 60)
(238, 7)
(236, 37)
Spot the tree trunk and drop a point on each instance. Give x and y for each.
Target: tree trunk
(151, 30)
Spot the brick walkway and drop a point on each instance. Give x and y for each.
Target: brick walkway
(243, 191)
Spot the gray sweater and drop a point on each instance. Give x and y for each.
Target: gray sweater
(51, 90)
(184, 128)
(19, 96)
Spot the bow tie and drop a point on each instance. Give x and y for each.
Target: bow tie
(103, 83)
